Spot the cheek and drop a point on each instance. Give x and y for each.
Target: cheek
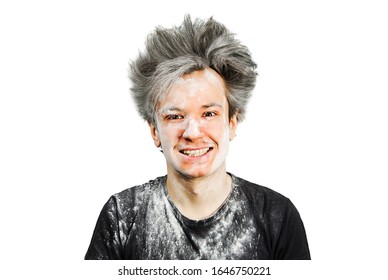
(169, 136)
(218, 128)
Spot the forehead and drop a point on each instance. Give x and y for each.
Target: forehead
(204, 85)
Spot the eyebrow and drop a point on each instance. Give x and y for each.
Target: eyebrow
(171, 108)
(213, 104)
(177, 109)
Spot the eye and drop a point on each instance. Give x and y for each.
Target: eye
(210, 114)
(174, 117)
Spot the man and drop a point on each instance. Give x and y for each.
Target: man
(192, 84)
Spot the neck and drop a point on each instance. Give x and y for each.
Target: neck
(199, 198)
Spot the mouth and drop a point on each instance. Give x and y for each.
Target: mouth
(196, 153)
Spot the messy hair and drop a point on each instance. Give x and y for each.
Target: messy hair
(171, 53)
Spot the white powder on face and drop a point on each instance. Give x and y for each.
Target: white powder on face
(187, 98)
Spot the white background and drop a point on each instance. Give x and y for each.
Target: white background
(316, 128)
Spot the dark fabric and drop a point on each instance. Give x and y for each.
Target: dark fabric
(253, 223)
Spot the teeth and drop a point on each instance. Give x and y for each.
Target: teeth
(196, 153)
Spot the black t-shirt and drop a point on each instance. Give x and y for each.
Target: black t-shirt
(253, 223)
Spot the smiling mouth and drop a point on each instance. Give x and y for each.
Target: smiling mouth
(196, 153)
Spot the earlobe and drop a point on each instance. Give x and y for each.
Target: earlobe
(154, 135)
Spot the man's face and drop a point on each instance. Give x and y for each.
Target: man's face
(193, 126)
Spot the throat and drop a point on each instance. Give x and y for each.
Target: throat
(199, 200)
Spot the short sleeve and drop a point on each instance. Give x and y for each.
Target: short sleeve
(292, 242)
(105, 243)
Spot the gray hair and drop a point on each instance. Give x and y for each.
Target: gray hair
(171, 53)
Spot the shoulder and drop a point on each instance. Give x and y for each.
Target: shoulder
(124, 205)
(266, 204)
(259, 193)
(134, 197)
(138, 191)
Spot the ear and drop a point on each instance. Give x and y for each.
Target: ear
(233, 126)
(155, 134)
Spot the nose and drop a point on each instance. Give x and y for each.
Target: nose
(192, 130)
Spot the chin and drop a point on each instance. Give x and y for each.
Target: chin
(192, 168)
(194, 174)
